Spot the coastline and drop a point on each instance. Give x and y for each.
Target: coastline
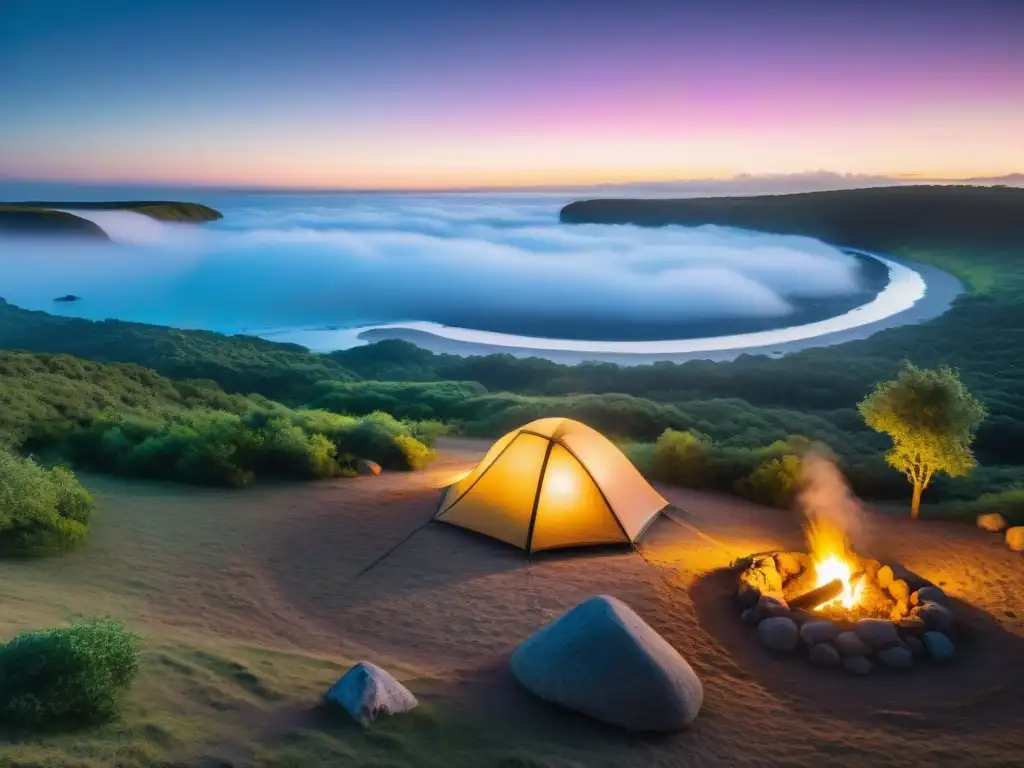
(938, 289)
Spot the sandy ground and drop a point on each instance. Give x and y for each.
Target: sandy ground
(274, 576)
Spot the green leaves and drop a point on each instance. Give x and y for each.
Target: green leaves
(931, 418)
(67, 676)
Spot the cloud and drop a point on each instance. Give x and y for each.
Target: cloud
(308, 260)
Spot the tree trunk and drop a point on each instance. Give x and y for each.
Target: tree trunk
(915, 503)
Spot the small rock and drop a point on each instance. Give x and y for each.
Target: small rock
(899, 610)
(992, 522)
(788, 564)
(912, 625)
(367, 467)
(934, 615)
(914, 646)
(750, 617)
(877, 633)
(897, 657)
(824, 655)
(800, 616)
(885, 576)
(900, 590)
(857, 665)
(770, 605)
(870, 568)
(816, 632)
(929, 594)
(778, 633)
(939, 646)
(1015, 538)
(848, 644)
(366, 691)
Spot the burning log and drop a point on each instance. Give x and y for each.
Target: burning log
(823, 594)
(814, 598)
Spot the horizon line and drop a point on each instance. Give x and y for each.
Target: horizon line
(820, 175)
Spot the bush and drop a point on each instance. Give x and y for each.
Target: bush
(681, 458)
(775, 482)
(1010, 504)
(41, 510)
(67, 676)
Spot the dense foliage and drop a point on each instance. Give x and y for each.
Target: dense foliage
(41, 510)
(67, 676)
(128, 420)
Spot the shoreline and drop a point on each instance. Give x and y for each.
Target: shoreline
(936, 291)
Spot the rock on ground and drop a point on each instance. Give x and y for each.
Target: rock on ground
(992, 522)
(815, 632)
(929, 594)
(857, 665)
(848, 644)
(824, 655)
(934, 615)
(900, 590)
(914, 645)
(1015, 538)
(769, 605)
(884, 576)
(897, 657)
(778, 633)
(367, 467)
(877, 633)
(366, 691)
(939, 646)
(603, 660)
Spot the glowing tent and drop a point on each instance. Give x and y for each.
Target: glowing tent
(553, 483)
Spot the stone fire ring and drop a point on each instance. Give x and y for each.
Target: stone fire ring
(900, 621)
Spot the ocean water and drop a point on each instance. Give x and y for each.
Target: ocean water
(501, 264)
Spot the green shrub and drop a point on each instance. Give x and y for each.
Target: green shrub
(41, 510)
(775, 482)
(1009, 504)
(67, 676)
(681, 458)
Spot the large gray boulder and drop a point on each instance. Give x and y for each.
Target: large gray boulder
(366, 691)
(603, 660)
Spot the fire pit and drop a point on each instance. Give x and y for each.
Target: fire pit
(843, 610)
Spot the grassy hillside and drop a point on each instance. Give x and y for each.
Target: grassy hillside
(128, 420)
(19, 219)
(162, 210)
(236, 363)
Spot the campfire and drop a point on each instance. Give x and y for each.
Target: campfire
(844, 609)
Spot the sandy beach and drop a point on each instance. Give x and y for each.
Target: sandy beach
(931, 289)
(254, 602)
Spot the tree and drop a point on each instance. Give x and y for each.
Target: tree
(931, 418)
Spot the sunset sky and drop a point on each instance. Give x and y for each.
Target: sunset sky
(448, 93)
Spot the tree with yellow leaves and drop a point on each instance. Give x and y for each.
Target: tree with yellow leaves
(931, 418)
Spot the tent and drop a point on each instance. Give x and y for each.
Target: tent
(553, 483)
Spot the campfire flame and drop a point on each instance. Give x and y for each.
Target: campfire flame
(834, 567)
(831, 513)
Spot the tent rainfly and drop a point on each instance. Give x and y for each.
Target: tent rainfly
(551, 484)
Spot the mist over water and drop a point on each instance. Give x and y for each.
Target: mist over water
(498, 262)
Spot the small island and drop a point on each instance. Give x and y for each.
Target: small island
(53, 218)
(68, 298)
